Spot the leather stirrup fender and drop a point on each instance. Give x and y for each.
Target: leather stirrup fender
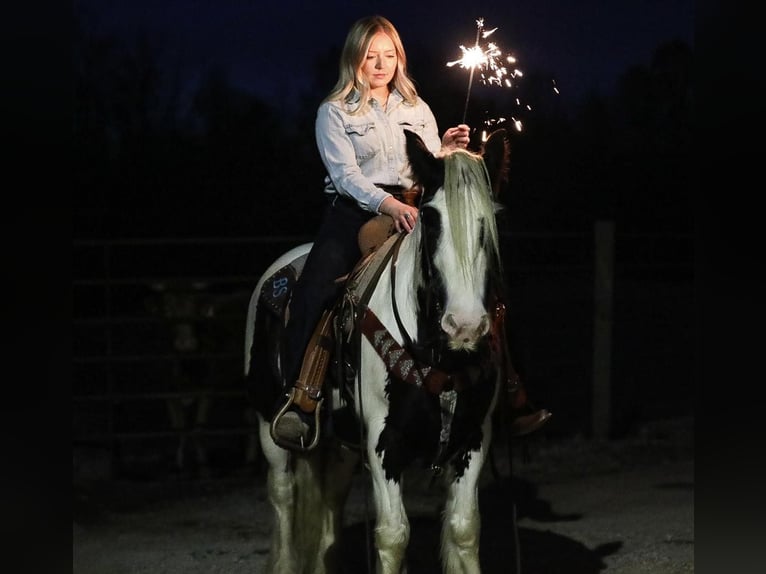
(308, 387)
(306, 392)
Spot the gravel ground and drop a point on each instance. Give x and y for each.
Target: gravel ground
(582, 507)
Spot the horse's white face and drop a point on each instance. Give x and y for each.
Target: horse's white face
(464, 319)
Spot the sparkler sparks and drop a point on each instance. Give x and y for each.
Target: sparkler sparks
(495, 68)
(489, 60)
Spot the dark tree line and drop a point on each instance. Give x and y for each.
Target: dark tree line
(152, 159)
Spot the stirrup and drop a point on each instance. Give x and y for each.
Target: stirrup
(300, 445)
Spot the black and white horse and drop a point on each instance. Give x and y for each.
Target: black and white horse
(426, 373)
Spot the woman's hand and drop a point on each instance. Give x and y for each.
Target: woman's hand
(457, 137)
(404, 216)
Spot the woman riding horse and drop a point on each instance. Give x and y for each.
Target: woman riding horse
(359, 133)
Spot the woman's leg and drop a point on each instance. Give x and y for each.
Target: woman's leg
(334, 253)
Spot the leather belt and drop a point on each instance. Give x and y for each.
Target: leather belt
(408, 196)
(405, 195)
(395, 190)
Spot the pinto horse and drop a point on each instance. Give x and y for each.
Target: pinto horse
(422, 372)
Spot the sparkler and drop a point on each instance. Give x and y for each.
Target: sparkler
(487, 60)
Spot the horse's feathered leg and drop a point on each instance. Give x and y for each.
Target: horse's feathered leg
(461, 525)
(281, 492)
(337, 477)
(307, 496)
(392, 527)
(323, 480)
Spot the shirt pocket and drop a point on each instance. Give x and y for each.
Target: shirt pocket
(416, 125)
(364, 138)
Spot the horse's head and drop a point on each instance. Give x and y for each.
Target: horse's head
(459, 251)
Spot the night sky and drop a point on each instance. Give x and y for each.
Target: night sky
(271, 48)
(202, 62)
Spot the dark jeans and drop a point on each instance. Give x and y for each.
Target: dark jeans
(335, 252)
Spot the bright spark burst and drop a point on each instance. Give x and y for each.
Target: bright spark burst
(494, 68)
(488, 60)
(499, 73)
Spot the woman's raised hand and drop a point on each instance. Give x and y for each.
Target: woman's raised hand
(456, 137)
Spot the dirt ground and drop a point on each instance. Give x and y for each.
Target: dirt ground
(582, 507)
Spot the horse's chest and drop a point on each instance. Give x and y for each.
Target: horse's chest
(421, 426)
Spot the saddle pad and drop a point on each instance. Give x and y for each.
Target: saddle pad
(276, 290)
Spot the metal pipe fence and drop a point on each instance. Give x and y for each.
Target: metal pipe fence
(136, 390)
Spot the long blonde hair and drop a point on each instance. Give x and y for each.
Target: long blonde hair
(350, 77)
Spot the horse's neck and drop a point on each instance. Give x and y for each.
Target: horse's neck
(407, 266)
(405, 296)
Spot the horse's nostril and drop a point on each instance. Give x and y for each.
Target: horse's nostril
(483, 325)
(450, 325)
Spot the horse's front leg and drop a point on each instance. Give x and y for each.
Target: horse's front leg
(392, 528)
(461, 524)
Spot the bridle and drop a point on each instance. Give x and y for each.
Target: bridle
(425, 354)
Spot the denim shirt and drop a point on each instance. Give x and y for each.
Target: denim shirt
(361, 150)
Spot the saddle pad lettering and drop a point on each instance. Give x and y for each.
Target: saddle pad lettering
(276, 290)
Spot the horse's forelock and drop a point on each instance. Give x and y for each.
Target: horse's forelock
(469, 202)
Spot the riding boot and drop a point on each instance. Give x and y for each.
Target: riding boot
(524, 418)
(296, 424)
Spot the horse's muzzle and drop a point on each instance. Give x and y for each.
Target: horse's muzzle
(464, 333)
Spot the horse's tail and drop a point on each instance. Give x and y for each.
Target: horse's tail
(261, 340)
(252, 315)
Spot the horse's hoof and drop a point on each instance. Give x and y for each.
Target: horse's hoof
(292, 429)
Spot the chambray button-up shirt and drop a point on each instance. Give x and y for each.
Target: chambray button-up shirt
(361, 150)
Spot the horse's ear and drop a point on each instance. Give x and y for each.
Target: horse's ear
(496, 152)
(426, 169)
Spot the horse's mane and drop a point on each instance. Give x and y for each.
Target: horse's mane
(468, 190)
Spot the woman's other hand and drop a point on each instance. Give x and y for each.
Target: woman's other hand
(404, 216)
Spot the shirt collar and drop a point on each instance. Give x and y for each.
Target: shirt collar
(354, 96)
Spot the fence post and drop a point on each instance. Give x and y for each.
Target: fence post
(114, 455)
(602, 328)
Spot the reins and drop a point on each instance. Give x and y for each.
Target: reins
(402, 360)
(409, 344)
(394, 306)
